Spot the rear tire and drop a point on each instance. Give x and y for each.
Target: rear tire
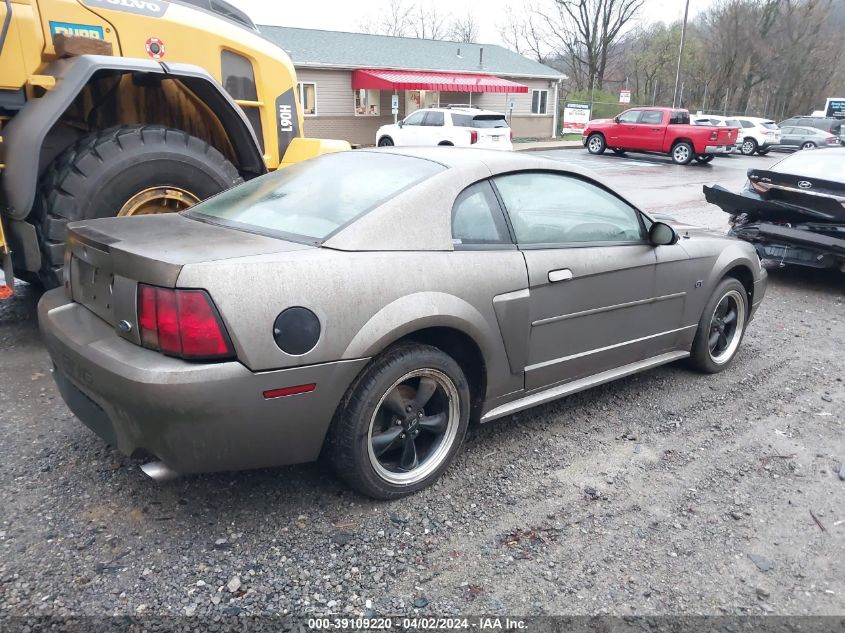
(367, 441)
(748, 147)
(808, 145)
(618, 151)
(682, 153)
(385, 141)
(596, 144)
(762, 152)
(96, 177)
(727, 333)
(704, 158)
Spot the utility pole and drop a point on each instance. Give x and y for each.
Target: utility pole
(680, 55)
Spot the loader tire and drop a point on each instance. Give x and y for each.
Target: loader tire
(125, 170)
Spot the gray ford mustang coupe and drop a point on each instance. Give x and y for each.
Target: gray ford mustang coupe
(367, 305)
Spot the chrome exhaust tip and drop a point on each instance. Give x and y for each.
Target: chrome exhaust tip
(159, 471)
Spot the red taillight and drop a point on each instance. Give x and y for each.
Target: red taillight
(473, 137)
(181, 323)
(714, 135)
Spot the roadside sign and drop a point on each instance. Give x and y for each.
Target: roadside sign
(394, 104)
(624, 97)
(512, 105)
(835, 107)
(575, 117)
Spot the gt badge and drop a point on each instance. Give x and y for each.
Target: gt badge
(155, 48)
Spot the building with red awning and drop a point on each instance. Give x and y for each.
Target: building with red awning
(348, 82)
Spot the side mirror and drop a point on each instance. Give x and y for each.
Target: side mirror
(401, 123)
(616, 118)
(661, 234)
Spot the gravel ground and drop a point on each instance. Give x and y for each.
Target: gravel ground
(663, 493)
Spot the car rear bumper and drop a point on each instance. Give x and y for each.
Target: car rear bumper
(195, 417)
(718, 149)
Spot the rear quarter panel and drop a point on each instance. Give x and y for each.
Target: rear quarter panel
(365, 301)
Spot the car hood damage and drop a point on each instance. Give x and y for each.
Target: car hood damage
(791, 221)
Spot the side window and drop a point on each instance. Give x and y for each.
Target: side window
(308, 97)
(433, 119)
(477, 217)
(239, 81)
(551, 208)
(367, 102)
(415, 119)
(539, 101)
(746, 124)
(631, 116)
(652, 117)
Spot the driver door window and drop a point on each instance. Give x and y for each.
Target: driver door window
(631, 116)
(549, 208)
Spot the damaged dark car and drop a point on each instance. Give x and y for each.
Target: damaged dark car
(794, 211)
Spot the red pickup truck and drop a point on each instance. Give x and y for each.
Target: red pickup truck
(661, 131)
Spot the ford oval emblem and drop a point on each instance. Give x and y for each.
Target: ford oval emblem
(805, 184)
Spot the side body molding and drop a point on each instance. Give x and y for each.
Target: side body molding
(513, 314)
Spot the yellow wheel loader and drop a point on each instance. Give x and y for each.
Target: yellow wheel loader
(125, 107)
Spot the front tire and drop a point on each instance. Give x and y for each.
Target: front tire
(385, 141)
(682, 153)
(401, 422)
(128, 170)
(596, 144)
(721, 328)
(748, 147)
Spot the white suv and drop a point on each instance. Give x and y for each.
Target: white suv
(458, 126)
(758, 135)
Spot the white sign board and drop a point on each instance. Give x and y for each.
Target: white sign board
(394, 104)
(575, 117)
(624, 97)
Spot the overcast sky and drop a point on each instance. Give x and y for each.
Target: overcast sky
(347, 15)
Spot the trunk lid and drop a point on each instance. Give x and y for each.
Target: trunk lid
(107, 258)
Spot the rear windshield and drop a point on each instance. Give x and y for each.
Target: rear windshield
(679, 118)
(769, 125)
(309, 201)
(827, 165)
(479, 120)
(732, 123)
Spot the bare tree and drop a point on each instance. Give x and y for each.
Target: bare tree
(585, 31)
(523, 32)
(395, 19)
(429, 24)
(464, 28)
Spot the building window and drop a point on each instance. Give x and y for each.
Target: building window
(367, 102)
(539, 101)
(239, 81)
(308, 97)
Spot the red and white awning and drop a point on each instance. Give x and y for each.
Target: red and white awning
(420, 80)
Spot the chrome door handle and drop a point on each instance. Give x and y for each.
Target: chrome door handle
(563, 274)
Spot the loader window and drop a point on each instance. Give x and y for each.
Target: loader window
(239, 81)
